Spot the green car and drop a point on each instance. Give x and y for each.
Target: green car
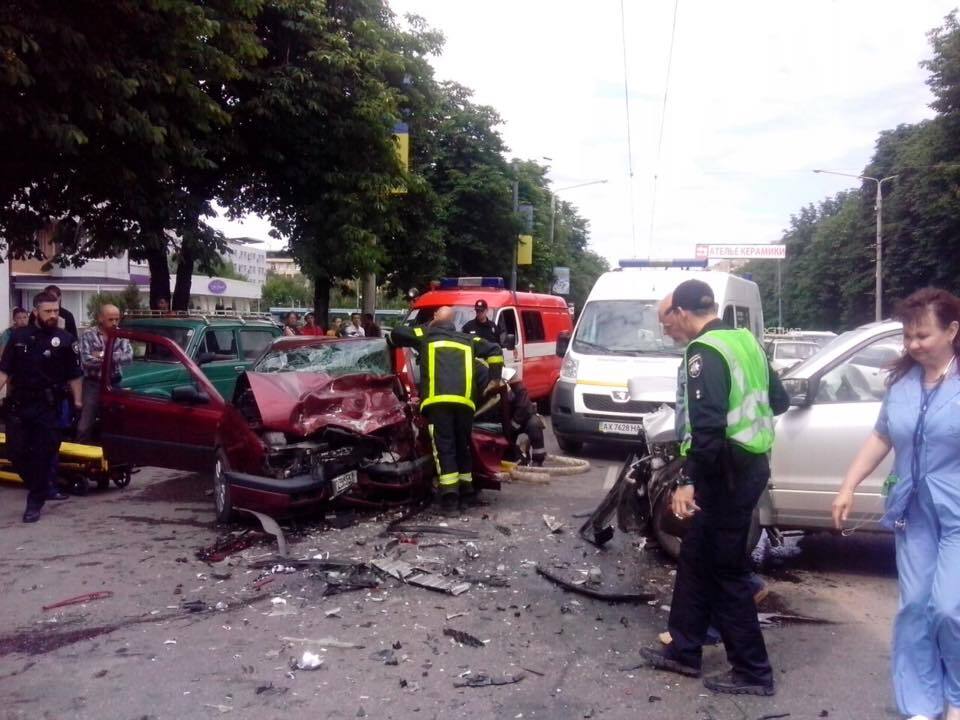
(223, 346)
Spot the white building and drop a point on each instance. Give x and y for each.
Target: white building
(284, 266)
(248, 258)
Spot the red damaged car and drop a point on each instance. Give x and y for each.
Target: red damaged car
(315, 420)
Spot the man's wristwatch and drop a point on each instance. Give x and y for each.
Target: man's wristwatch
(684, 480)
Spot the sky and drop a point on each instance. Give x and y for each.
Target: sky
(761, 92)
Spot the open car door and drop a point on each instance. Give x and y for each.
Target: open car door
(173, 428)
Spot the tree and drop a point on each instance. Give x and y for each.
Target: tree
(286, 290)
(115, 120)
(128, 299)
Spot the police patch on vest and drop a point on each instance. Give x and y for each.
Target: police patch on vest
(55, 342)
(76, 348)
(694, 366)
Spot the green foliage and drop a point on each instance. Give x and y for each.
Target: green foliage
(286, 290)
(828, 276)
(128, 299)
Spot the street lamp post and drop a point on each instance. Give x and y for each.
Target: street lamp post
(878, 290)
(553, 202)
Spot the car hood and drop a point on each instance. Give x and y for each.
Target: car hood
(301, 403)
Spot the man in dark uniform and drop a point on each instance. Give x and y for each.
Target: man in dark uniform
(731, 398)
(66, 321)
(40, 362)
(447, 397)
(481, 324)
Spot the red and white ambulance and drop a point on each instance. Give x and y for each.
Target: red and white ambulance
(534, 319)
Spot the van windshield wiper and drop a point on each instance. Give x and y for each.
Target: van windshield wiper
(591, 346)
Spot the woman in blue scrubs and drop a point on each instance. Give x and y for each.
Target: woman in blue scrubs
(920, 420)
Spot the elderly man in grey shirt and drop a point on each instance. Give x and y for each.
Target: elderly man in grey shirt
(92, 345)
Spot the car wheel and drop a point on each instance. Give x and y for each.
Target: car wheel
(663, 522)
(570, 447)
(221, 488)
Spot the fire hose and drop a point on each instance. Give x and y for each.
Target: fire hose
(553, 466)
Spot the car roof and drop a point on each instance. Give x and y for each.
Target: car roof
(192, 322)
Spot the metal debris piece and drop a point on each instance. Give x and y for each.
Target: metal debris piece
(270, 526)
(775, 618)
(594, 576)
(79, 599)
(308, 661)
(194, 606)
(335, 612)
(535, 672)
(595, 594)
(435, 529)
(483, 680)
(451, 616)
(552, 523)
(471, 550)
(463, 638)
(503, 530)
(325, 642)
(441, 584)
(399, 569)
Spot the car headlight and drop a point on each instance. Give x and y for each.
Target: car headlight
(569, 367)
(275, 439)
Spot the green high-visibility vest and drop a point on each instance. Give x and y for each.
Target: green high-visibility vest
(749, 415)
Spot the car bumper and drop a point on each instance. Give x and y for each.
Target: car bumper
(581, 427)
(275, 496)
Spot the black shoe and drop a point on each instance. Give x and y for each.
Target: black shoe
(58, 495)
(469, 498)
(449, 504)
(732, 683)
(31, 516)
(660, 660)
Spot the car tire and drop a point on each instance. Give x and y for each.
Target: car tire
(570, 447)
(662, 515)
(221, 489)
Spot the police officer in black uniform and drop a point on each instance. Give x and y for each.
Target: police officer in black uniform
(447, 392)
(725, 473)
(41, 362)
(481, 324)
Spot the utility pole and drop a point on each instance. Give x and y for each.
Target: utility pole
(779, 297)
(516, 209)
(878, 279)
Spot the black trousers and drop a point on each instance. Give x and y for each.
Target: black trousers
(451, 425)
(713, 575)
(33, 442)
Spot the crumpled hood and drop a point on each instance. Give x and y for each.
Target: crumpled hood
(303, 403)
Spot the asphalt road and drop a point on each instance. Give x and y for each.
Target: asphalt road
(141, 653)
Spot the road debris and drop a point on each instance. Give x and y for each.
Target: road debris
(80, 599)
(325, 642)
(552, 523)
(595, 594)
(483, 680)
(308, 661)
(451, 616)
(226, 546)
(270, 526)
(781, 619)
(433, 529)
(386, 656)
(463, 638)
(412, 575)
(594, 576)
(335, 612)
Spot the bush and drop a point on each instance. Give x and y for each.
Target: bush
(128, 299)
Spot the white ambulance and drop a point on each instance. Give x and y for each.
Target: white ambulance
(618, 337)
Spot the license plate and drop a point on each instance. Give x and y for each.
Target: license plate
(344, 482)
(619, 428)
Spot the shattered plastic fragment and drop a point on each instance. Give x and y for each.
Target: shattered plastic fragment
(463, 637)
(309, 661)
(552, 523)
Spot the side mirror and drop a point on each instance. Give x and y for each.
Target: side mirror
(205, 357)
(189, 395)
(508, 341)
(563, 342)
(800, 390)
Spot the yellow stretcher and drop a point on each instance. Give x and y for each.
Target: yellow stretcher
(80, 466)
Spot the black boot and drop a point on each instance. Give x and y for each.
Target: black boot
(449, 504)
(663, 660)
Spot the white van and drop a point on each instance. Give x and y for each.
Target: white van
(618, 337)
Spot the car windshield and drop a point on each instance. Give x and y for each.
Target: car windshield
(461, 315)
(337, 358)
(622, 327)
(835, 342)
(795, 351)
(149, 352)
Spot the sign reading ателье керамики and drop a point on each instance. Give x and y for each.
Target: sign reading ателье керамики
(741, 252)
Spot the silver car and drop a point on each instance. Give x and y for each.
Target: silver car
(836, 396)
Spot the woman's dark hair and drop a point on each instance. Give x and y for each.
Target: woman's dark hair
(945, 307)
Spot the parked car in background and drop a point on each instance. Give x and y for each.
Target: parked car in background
(316, 420)
(223, 345)
(784, 354)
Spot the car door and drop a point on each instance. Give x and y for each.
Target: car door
(142, 428)
(539, 355)
(815, 444)
(507, 323)
(218, 354)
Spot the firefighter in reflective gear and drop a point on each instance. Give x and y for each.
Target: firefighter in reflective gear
(509, 404)
(731, 398)
(447, 392)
